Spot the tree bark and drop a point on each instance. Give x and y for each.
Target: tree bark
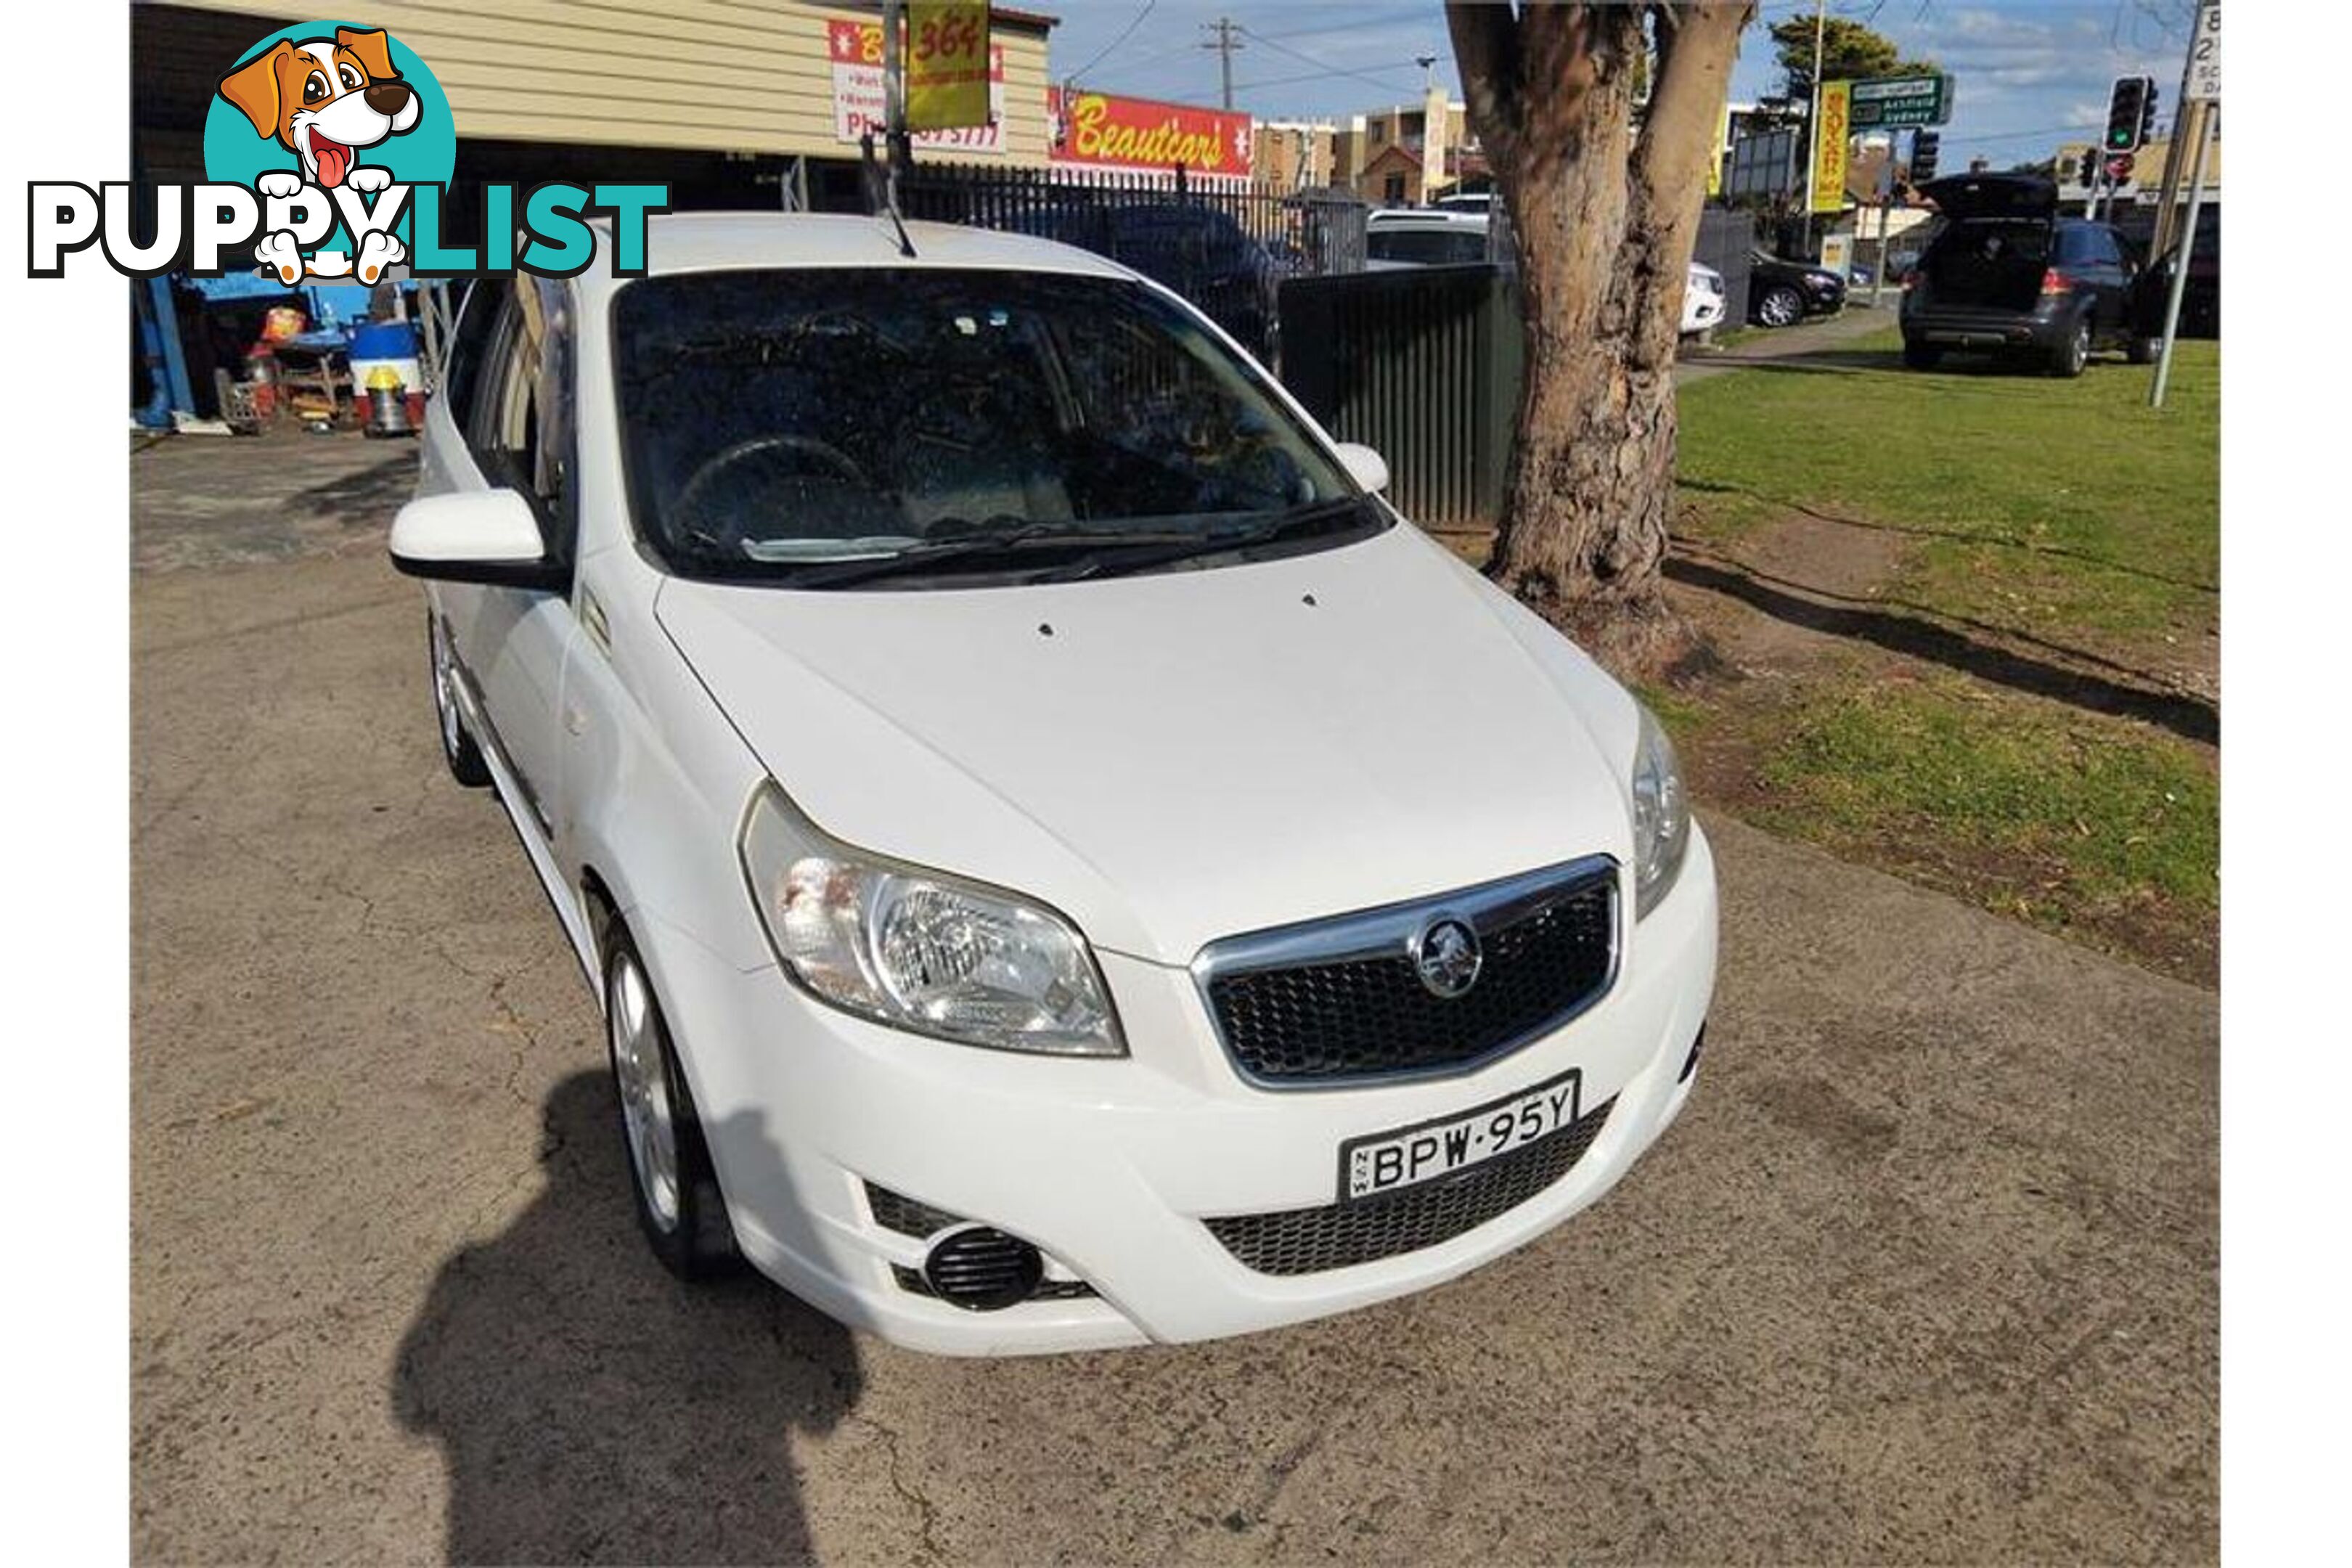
(1604, 222)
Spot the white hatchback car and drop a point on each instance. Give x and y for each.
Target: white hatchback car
(1064, 864)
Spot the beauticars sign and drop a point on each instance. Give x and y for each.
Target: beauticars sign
(1100, 132)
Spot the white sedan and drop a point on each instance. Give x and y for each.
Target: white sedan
(1062, 862)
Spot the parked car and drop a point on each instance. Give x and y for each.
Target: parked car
(2003, 271)
(1782, 293)
(1703, 299)
(1062, 862)
(2201, 300)
(1202, 252)
(1418, 237)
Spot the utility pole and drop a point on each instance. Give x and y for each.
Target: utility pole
(1814, 122)
(1224, 43)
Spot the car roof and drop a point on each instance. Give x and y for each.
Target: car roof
(716, 242)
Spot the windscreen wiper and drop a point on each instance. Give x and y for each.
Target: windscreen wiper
(1299, 522)
(1017, 549)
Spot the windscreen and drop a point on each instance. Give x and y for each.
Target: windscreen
(774, 421)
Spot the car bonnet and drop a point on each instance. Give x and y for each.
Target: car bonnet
(1180, 756)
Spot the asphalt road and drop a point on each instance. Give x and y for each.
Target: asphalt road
(1927, 1271)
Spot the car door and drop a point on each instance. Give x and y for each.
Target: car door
(2090, 260)
(519, 435)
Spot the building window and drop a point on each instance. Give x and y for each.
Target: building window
(1394, 189)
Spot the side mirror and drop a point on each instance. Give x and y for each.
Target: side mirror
(489, 537)
(1364, 465)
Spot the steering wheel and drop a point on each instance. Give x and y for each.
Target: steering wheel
(700, 485)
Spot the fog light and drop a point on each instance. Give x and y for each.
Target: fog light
(982, 1270)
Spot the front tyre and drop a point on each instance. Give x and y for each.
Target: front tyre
(457, 747)
(2143, 351)
(1921, 355)
(678, 1203)
(1781, 306)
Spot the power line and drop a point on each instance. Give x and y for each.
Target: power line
(1307, 76)
(1323, 66)
(1105, 52)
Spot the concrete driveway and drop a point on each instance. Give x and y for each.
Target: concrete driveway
(1927, 1272)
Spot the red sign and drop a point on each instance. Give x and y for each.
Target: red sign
(2119, 167)
(1101, 132)
(855, 49)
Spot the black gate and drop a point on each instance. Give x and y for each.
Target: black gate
(1421, 363)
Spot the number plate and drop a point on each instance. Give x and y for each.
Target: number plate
(1389, 1162)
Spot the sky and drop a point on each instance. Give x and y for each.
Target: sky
(2030, 73)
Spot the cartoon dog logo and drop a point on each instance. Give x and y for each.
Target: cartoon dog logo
(325, 100)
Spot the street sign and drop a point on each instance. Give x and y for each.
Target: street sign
(1881, 101)
(1830, 147)
(2205, 54)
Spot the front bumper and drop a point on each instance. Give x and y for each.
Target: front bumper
(1109, 1167)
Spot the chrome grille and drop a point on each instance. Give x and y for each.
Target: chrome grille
(1309, 1241)
(1336, 1001)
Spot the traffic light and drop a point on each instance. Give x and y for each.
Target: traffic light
(1923, 146)
(2088, 174)
(2131, 108)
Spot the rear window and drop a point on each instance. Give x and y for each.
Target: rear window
(1994, 239)
(1429, 247)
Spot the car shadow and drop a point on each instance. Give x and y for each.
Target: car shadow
(591, 1408)
(1957, 536)
(1883, 624)
(365, 496)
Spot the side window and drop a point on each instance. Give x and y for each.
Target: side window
(470, 339)
(2076, 247)
(521, 425)
(2105, 249)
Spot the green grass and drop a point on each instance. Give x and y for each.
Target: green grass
(2022, 512)
(2084, 811)
(2035, 502)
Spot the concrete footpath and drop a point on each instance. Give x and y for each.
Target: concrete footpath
(1926, 1273)
(1789, 342)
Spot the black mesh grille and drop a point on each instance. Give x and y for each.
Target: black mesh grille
(1368, 1016)
(1309, 1241)
(1047, 1291)
(893, 1211)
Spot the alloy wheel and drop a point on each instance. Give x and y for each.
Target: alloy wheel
(1780, 308)
(444, 689)
(642, 1080)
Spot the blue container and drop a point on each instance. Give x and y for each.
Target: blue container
(385, 340)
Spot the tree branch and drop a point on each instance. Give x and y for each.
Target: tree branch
(1486, 48)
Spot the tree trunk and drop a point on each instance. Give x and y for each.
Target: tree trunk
(1605, 223)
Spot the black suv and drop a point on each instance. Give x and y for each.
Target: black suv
(2005, 272)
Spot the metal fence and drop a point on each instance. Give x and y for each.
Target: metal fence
(1423, 363)
(1226, 247)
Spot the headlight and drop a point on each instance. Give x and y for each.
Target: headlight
(1661, 816)
(920, 950)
